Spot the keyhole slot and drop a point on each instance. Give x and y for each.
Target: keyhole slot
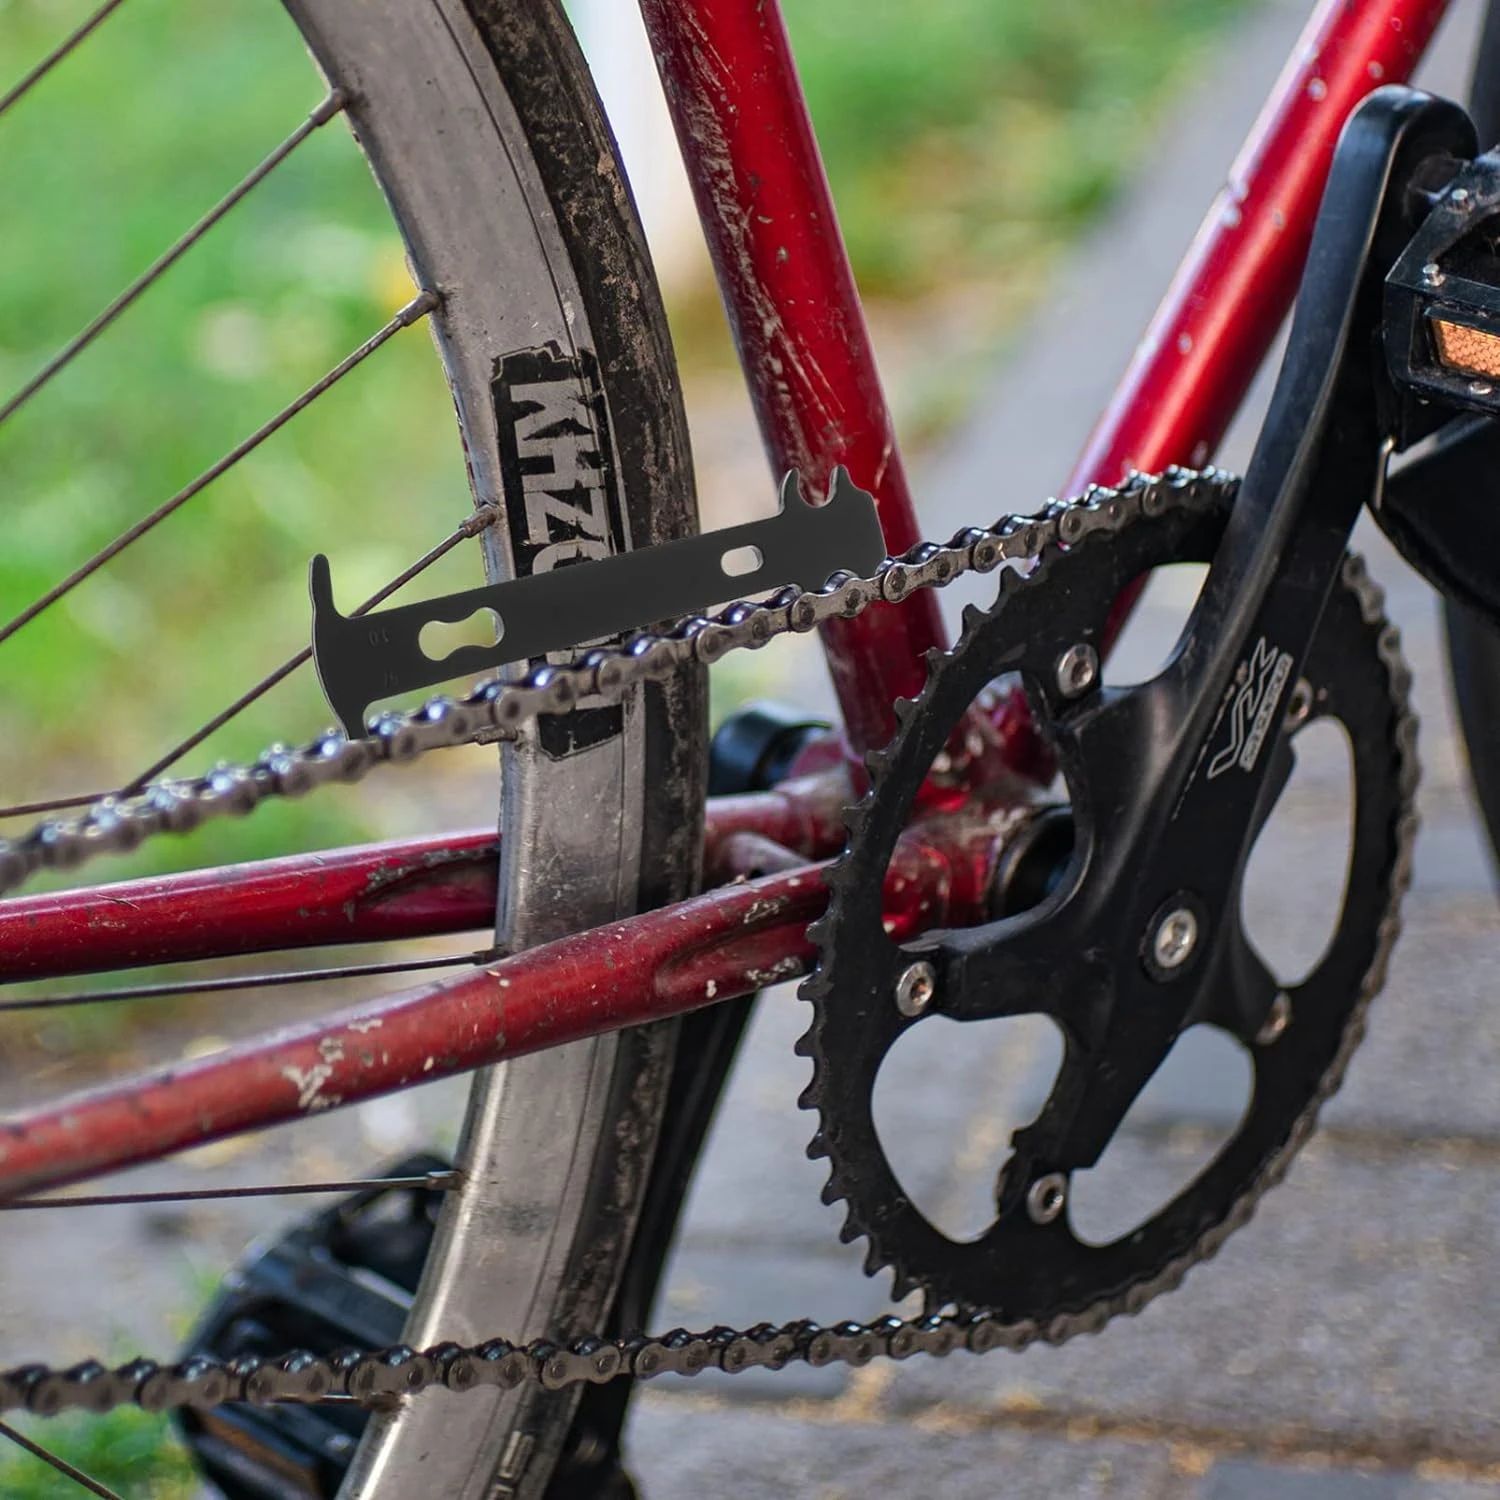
(740, 562)
(441, 638)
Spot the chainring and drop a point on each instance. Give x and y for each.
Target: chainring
(1041, 1274)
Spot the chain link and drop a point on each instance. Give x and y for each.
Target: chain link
(382, 1376)
(377, 1377)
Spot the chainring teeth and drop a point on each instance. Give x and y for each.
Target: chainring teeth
(817, 988)
(883, 1248)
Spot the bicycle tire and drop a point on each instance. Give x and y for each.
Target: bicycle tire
(468, 110)
(1472, 644)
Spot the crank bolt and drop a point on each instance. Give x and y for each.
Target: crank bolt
(1299, 705)
(1047, 1197)
(1077, 670)
(1175, 938)
(915, 988)
(1278, 1018)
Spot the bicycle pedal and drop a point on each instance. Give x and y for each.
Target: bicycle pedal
(342, 1278)
(1442, 301)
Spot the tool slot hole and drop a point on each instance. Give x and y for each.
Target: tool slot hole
(740, 562)
(441, 638)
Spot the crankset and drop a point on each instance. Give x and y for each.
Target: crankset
(1169, 783)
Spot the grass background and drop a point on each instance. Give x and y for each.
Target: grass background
(966, 141)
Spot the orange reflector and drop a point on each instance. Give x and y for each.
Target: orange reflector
(1470, 351)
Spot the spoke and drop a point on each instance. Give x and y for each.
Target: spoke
(326, 111)
(53, 804)
(470, 528)
(432, 1182)
(250, 981)
(482, 517)
(56, 55)
(414, 310)
(60, 1464)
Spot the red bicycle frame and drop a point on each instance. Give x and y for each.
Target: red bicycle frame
(764, 200)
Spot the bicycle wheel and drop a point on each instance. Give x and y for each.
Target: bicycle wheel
(483, 131)
(1473, 645)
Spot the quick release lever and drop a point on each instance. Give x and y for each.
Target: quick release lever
(374, 656)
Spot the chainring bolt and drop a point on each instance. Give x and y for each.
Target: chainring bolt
(1278, 1018)
(1175, 938)
(1046, 1198)
(1077, 670)
(1299, 705)
(916, 988)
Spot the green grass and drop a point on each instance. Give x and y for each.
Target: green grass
(134, 1453)
(962, 136)
(128, 143)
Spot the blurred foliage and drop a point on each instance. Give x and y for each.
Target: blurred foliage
(120, 150)
(960, 133)
(961, 136)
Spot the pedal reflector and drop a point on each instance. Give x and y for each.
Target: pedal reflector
(1469, 351)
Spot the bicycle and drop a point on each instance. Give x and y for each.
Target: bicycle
(532, 1282)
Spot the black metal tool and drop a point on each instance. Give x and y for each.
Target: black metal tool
(360, 660)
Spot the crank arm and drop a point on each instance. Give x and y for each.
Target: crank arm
(368, 657)
(1181, 763)
(1319, 460)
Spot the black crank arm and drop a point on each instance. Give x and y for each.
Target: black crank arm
(1181, 762)
(364, 658)
(1317, 462)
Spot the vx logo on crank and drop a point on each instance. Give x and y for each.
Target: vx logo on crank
(1259, 681)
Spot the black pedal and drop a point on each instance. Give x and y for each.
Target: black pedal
(341, 1279)
(1442, 302)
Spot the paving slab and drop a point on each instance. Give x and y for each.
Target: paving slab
(1240, 1479)
(742, 1285)
(683, 1451)
(758, 1184)
(1356, 1315)
(1359, 1310)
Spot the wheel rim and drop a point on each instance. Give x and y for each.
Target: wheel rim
(504, 1258)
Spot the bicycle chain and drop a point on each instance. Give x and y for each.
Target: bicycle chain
(379, 1377)
(496, 708)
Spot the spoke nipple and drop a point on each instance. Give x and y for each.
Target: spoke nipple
(1299, 705)
(1077, 670)
(1046, 1198)
(1278, 1018)
(1175, 938)
(915, 988)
